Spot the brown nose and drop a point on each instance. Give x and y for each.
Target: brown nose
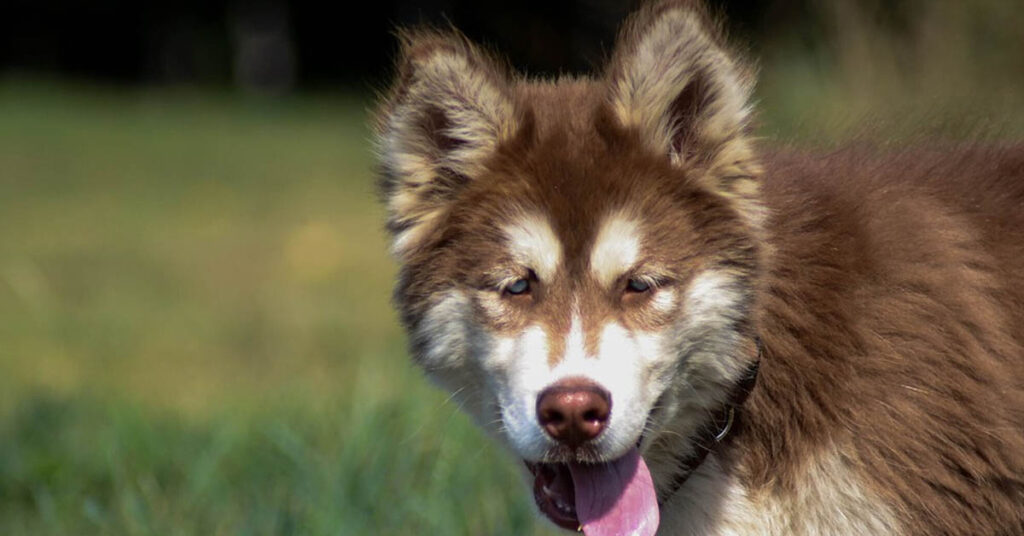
(573, 411)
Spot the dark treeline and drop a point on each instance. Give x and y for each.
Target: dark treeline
(279, 45)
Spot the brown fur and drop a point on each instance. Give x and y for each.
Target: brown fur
(887, 289)
(913, 266)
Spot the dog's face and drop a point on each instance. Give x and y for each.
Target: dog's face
(578, 258)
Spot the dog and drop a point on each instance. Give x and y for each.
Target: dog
(680, 332)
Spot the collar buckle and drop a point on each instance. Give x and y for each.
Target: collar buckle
(730, 418)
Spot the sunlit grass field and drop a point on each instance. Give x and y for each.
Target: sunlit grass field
(195, 332)
(195, 328)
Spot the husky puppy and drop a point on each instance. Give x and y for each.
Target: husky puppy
(678, 333)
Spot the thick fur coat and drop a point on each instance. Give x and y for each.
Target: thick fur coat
(661, 248)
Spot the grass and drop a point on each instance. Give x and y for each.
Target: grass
(195, 334)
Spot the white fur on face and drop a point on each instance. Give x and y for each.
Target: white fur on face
(616, 249)
(622, 364)
(664, 300)
(507, 373)
(445, 331)
(533, 244)
(449, 338)
(708, 307)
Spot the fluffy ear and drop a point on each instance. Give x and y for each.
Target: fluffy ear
(671, 78)
(448, 108)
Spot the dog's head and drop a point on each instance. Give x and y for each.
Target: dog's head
(578, 257)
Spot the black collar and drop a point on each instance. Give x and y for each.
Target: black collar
(717, 429)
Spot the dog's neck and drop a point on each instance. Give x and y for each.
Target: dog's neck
(718, 430)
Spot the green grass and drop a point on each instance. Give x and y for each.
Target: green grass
(195, 334)
(70, 465)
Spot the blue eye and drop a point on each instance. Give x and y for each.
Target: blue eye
(520, 286)
(636, 285)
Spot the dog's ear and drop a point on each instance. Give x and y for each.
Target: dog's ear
(672, 79)
(448, 109)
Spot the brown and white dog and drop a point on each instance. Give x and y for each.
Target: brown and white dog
(679, 334)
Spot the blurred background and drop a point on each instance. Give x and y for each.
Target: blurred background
(195, 332)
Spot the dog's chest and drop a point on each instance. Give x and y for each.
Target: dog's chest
(832, 501)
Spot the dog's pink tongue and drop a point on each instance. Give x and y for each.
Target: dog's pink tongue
(616, 498)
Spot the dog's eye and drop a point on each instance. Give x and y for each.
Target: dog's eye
(637, 285)
(520, 286)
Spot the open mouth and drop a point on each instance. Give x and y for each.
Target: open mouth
(555, 493)
(602, 499)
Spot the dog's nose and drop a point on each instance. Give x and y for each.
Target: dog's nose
(574, 411)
